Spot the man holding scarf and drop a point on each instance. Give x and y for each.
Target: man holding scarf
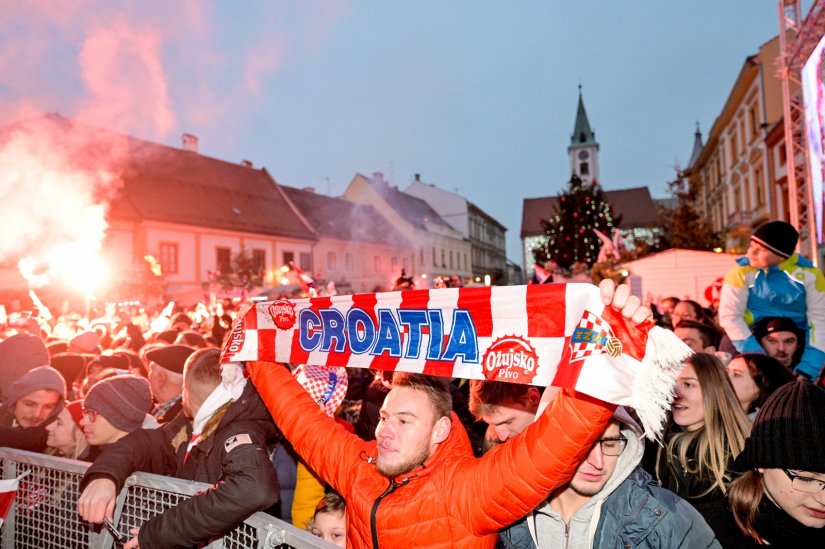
(418, 484)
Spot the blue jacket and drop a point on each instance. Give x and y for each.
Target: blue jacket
(637, 514)
(793, 289)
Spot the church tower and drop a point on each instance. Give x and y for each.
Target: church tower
(583, 149)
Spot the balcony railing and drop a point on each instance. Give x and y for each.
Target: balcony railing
(740, 218)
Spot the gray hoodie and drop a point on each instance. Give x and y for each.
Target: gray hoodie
(547, 526)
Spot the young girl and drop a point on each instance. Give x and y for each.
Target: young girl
(329, 522)
(66, 437)
(706, 432)
(780, 499)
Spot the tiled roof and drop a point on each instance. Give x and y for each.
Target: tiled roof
(413, 209)
(341, 219)
(635, 205)
(162, 183)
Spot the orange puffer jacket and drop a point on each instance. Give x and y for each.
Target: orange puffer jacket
(454, 499)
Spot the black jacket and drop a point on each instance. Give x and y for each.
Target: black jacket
(233, 458)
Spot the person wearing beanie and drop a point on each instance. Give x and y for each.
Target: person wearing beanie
(221, 439)
(774, 281)
(66, 436)
(87, 342)
(30, 403)
(166, 379)
(781, 339)
(115, 407)
(19, 354)
(779, 499)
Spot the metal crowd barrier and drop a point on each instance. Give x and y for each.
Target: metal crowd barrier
(44, 514)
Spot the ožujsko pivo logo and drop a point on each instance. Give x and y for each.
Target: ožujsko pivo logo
(510, 358)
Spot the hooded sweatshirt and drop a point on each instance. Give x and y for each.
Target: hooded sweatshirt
(637, 513)
(548, 527)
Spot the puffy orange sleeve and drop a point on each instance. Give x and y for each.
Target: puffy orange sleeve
(326, 447)
(512, 479)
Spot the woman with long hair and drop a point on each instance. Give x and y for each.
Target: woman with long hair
(779, 500)
(66, 437)
(755, 377)
(707, 430)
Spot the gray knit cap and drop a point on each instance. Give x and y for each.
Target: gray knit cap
(43, 377)
(123, 400)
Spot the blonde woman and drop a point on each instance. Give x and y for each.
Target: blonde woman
(707, 431)
(66, 437)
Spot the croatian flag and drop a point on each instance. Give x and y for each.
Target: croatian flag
(548, 334)
(8, 491)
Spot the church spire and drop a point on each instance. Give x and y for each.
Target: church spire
(582, 134)
(697, 146)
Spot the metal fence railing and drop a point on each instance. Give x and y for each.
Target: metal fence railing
(44, 514)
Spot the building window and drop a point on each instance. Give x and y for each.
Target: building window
(434, 260)
(394, 265)
(421, 257)
(169, 257)
(377, 264)
(306, 262)
(288, 257)
(443, 262)
(332, 261)
(760, 187)
(451, 259)
(348, 262)
(259, 261)
(584, 168)
(223, 260)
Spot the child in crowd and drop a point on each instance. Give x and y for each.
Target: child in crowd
(773, 281)
(329, 520)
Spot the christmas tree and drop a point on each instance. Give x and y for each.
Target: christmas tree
(570, 237)
(684, 226)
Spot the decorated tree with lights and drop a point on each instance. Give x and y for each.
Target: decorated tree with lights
(569, 232)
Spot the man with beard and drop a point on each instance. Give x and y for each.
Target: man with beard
(221, 440)
(610, 498)
(418, 484)
(781, 339)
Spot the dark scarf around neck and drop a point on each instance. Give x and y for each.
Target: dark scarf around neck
(781, 530)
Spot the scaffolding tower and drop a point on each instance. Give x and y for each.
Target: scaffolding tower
(797, 39)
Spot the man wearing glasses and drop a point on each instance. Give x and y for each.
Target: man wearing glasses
(609, 498)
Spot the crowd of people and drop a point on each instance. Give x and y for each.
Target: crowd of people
(410, 460)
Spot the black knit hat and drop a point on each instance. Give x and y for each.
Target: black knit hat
(170, 357)
(775, 324)
(788, 432)
(777, 236)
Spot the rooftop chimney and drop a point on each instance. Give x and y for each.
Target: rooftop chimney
(245, 163)
(378, 180)
(189, 142)
(309, 189)
(418, 178)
